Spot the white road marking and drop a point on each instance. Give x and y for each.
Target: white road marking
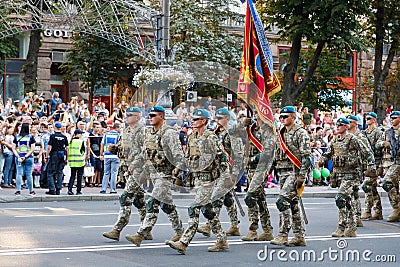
(136, 225)
(115, 247)
(66, 215)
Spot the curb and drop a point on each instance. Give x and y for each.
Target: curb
(115, 197)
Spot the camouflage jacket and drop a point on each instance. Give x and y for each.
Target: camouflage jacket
(373, 137)
(162, 150)
(297, 141)
(345, 152)
(387, 158)
(130, 145)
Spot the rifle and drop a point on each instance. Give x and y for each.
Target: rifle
(393, 144)
(238, 203)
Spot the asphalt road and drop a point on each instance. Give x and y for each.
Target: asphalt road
(69, 233)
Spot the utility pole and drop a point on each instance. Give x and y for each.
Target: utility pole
(164, 54)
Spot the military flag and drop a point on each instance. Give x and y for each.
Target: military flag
(257, 81)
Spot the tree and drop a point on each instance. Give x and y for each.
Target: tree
(95, 62)
(385, 28)
(323, 24)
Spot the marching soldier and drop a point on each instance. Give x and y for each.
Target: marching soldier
(162, 154)
(344, 151)
(391, 161)
(222, 194)
(204, 163)
(256, 200)
(372, 198)
(130, 152)
(293, 162)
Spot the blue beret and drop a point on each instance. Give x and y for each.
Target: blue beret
(372, 114)
(157, 109)
(395, 113)
(58, 125)
(186, 124)
(172, 123)
(222, 111)
(288, 109)
(133, 109)
(352, 117)
(343, 121)
(201, 113)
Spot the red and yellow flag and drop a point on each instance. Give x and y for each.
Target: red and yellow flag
(257, 81)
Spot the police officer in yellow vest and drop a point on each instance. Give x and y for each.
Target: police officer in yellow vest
(76, 160)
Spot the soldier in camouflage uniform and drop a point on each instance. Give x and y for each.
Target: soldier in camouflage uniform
(353, 129)
(293, 162)
(257, 206)
(205, 163)
(222, 194)
(372, 198)
(344, 151)
(163, 160)
(390, 143)
(129, 151)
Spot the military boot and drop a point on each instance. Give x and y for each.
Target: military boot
(359, 223)
(280, 240)
(377, 216)
(205, 230)
(233, 231)
(297, 242)
(338, 233)
(113, 234)
(218, 246)
(149, 236)
(250, 236)
(350, 233)
(394, 216)
(179, 246)
(175, 238)
(135, 239)
(366, 215)
(266, 236)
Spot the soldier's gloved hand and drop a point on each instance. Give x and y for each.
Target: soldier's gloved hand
(175, 172)
(246, 121)
(371, 173)
(299, 181)
(249, 200)
(386, 144)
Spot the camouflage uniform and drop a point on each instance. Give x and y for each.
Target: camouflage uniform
(372, 198)
(162, 149)
(391, 164)
(344, 152)
(298, 142)
(257, 209)
(203, 159)
(130, 147)
(222, 193)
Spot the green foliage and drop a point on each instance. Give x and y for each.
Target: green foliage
(7, 49)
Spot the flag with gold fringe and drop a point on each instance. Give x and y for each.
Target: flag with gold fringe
(257, 81)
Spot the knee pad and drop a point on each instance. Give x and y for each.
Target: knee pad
(167, 208)
(340, 201)
(124, 199)
(228, 200)
(208, 212)
(138, 201)
(192, 212)
(217, 203)
(387, 186)
(150, 205)
(366, 187)
(283, 203)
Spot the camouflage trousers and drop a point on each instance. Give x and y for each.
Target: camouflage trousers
(260, 211)
(372, 198)
(161, 198)
(290, 217)
(347, 214)
(392, 176)
(356, 197)
(135, 195)
(222, 195)
(202, 202)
